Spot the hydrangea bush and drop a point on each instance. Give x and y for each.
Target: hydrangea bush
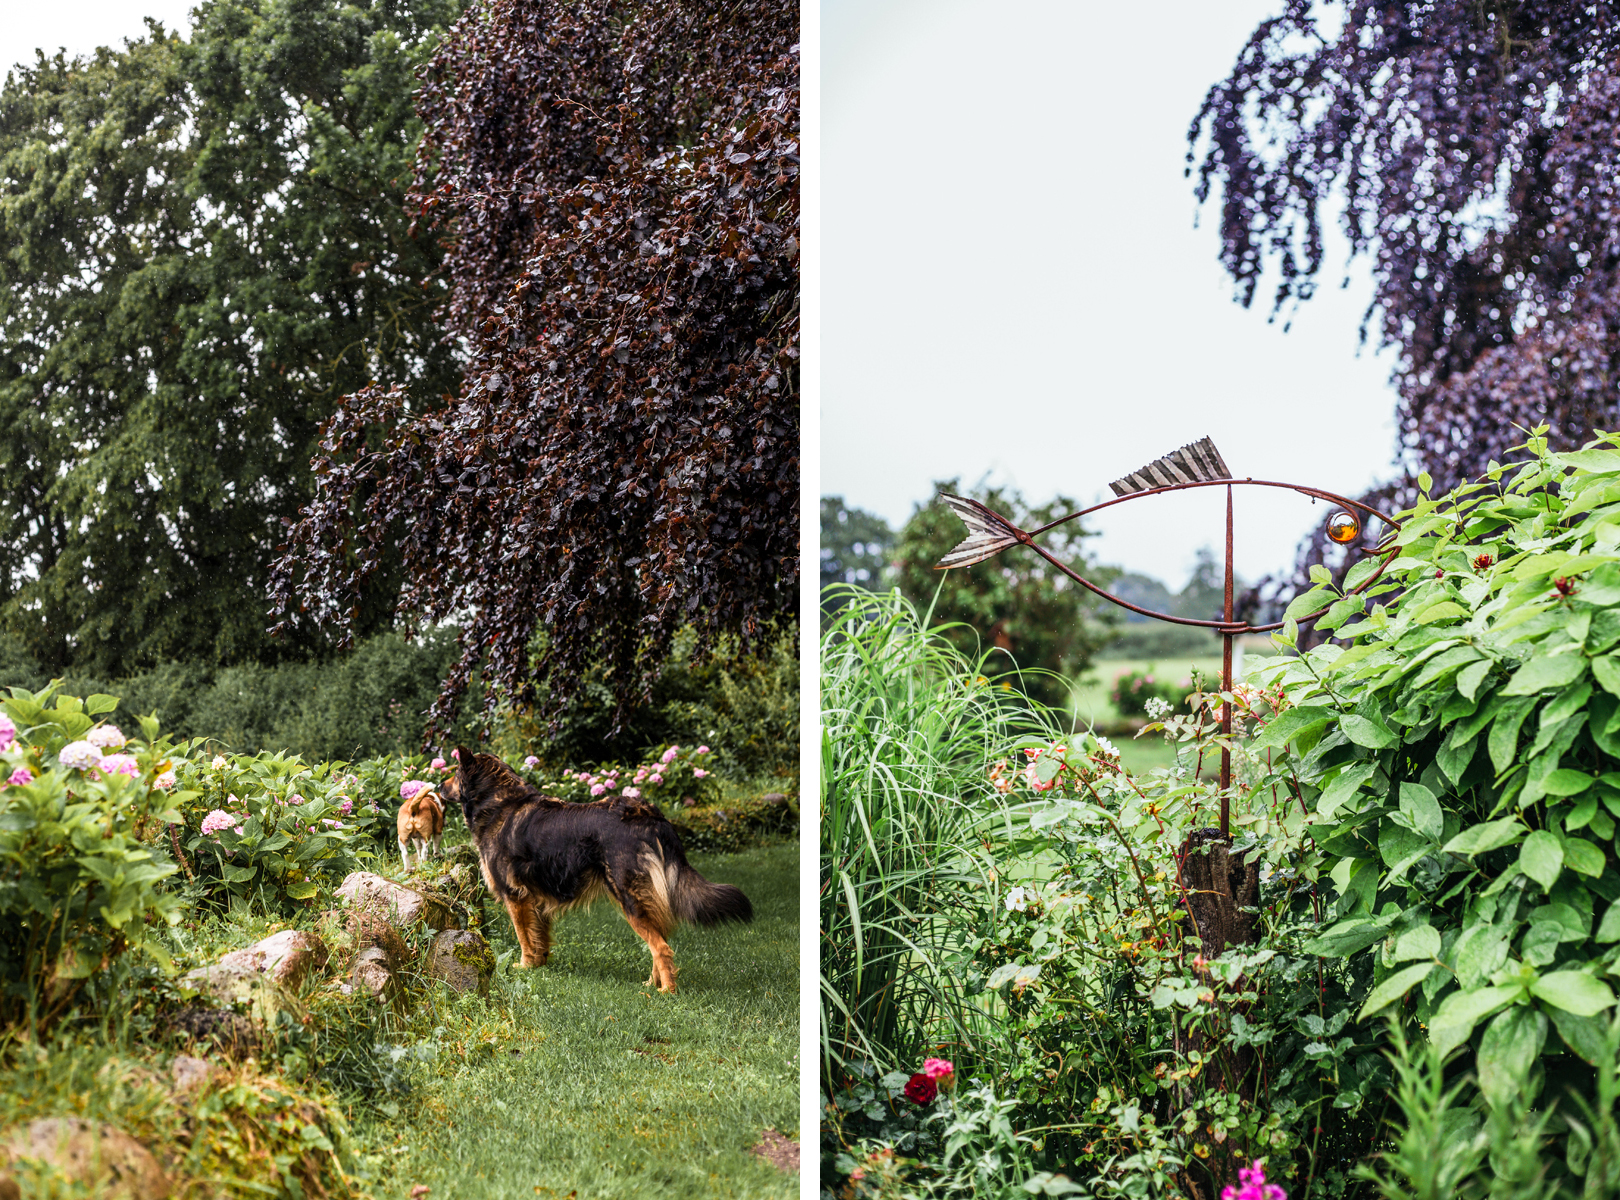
(274, 829)
(83, 814)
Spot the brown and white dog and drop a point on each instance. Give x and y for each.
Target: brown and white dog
(421, 819)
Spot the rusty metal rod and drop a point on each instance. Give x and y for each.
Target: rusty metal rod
(1226, 682)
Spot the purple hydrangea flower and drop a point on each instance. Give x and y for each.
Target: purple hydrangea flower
(19, 777)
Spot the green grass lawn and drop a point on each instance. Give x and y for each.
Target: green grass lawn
(576, 1081)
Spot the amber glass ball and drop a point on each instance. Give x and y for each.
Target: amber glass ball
(1343, 527)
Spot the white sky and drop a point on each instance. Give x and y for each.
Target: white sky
(81, 25)
(1012, 286)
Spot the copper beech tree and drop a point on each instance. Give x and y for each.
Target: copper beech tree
(618, 186)
(1472, 153)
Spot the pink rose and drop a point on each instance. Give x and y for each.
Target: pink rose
(597, 789)
(937, 1068)
(655, 779)
(669, 755)
(437, 764)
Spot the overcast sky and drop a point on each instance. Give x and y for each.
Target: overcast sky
(80, 25)
(1013, 287)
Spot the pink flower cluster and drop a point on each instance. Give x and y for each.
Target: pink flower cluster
(938, 1068)
(530, 761)
(1253, 1186)
(217, 821)
(119, 764)
(8, 733)
(412, 786)
(19, 777)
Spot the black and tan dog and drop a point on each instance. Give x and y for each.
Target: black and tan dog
(543, 856)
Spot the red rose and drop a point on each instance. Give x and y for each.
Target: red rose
(921, 1090)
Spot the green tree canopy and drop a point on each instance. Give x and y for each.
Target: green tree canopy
(856, 546)
(1014, 601)
(202, 247)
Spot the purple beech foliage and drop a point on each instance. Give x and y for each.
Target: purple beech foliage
(618, 184)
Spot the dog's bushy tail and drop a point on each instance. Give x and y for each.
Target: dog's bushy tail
(696, 899)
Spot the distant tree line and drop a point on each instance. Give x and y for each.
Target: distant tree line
(1015, 603)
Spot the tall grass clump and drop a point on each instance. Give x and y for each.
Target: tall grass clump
(908, 724)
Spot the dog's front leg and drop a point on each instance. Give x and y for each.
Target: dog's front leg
(533, 931)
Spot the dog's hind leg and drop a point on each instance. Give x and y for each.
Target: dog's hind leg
(405, 853)
(533, 929)
(663, 958)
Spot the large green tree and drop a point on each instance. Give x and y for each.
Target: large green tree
(203, 245)
(1016, 601)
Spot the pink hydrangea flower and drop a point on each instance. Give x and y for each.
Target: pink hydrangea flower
(119, 764)
(165, 780)
(107, 737)
(640, 775)
(19, 777)
(669, 755)
(597, 789)
(437, 764)
(79, 755)
(703, 750)
(217, 820)
(529, 761)
(8, 733)
(1253, 1186)
(938, 1068)
(295, 799)
(700, 772)
(633, 793)
(655, 778)
(412, 786)
(345, 806)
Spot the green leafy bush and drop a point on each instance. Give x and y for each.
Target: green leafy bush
(81, 879)
(1134, 690)
(1460, 763)
(272, 829)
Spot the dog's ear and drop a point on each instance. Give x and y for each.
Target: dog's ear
(466, 762)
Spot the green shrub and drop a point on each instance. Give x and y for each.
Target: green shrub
(271, 829)
(1460, 764)
(746, 707)
(80, 878)
(1133, 690)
